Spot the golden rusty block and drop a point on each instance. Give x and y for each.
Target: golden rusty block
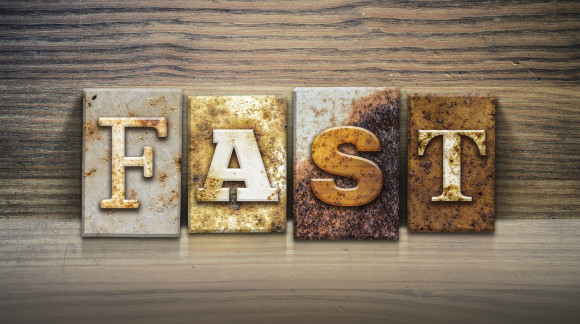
(237, 164)
(346, 163)
(451, 180)
(132, 162)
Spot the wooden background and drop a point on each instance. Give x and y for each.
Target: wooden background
(524, 52)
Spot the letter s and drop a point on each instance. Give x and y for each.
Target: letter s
(367, 174)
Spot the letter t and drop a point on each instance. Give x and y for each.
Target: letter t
(451, 158)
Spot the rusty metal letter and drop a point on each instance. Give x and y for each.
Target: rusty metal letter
(326, 155)
(119, 161)
(451, 158)
(251, 170)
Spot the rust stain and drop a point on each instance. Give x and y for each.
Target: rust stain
(87, 101)
(162, 203)
(158, 100)
(91, 131)
(162, 176)
(212, 187)
(177, 162)
(132, 194)
(90, 172)
(173, 198)
(278, 225)
(273, 196)
(162, 103)
(107, 155)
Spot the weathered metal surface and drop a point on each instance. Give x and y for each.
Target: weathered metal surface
(451, 180)
(351, 159)
(237, 141)
(250, 170)
(131, 162)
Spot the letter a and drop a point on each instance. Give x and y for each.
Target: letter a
(251, 171)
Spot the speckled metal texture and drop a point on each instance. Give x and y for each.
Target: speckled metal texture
(131, 182)
(434, 122)
(373, 109)
(265, 116)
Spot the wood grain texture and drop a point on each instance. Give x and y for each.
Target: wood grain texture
(526, 53)
(527, 272)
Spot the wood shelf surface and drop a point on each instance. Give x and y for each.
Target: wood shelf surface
(527, 272)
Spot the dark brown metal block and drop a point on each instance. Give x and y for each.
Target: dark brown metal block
(451, 180)
(367, 150)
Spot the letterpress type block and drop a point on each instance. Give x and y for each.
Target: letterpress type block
(237, 164)
(451, 180)
(131, 162)
(346, 163)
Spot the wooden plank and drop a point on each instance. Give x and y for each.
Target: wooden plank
(524, 53)
(527, 272)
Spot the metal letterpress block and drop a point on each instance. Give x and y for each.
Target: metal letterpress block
(237, 164)
(451, 164)
(131, 162)
(346, 163)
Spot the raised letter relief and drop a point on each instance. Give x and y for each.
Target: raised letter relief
(251, 171)
(119, 161)
(451, 158)
(366, 173)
